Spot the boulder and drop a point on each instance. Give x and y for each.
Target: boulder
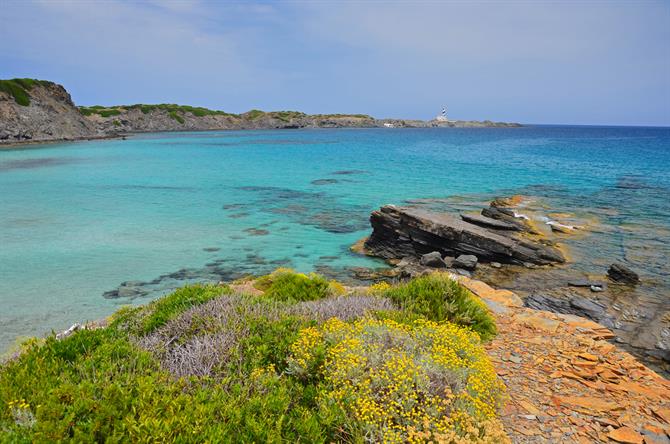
(399, 232)
(621, 273)
(433, 259)
(465, 261)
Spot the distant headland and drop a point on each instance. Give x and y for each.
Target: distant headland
(41, 111)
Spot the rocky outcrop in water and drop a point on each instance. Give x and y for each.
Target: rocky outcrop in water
(400, 232)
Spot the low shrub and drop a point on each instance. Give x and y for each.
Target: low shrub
(438, 297)
(286, 285)
(168, 307)
(396, 382)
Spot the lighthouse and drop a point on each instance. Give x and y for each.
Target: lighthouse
(442, 117)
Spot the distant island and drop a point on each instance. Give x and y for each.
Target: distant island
(39, 111)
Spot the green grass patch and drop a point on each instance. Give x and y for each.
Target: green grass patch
(437, 297)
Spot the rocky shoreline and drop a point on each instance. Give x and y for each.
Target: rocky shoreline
(47, 113)
(505, 248)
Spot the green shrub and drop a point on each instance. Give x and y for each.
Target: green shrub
(176, 116)
(16, 90)
(437, 297)
(254, 114)
(287, 285)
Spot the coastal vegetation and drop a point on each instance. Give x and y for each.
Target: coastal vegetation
(19, 89)
(171, 109)
(287, 357)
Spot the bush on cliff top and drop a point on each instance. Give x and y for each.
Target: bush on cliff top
(438, 297)
(18, 88)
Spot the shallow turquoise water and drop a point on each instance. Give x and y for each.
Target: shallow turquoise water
(78, 219)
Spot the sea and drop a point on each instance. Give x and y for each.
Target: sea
(88, 227)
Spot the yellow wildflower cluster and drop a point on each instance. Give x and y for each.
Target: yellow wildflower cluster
(378, 288)
(404, 382)
(336, 288)
(18, 404)
(20, 411)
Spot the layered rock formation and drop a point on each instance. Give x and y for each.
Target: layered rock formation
(400, 232)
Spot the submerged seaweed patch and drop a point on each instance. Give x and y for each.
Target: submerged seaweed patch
(315, 209)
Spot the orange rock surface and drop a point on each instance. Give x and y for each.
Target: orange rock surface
(566, 383)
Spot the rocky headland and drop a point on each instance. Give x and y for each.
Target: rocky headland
(41, 111)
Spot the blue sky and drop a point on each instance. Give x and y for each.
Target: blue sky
(576, 62)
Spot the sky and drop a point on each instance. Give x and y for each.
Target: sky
(567, 62)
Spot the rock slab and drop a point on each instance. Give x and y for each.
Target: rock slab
(400, 232)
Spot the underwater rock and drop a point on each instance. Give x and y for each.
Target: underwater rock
(349, 172)
(399, 232)
(257, 232)
(620, 273)
(323, 181)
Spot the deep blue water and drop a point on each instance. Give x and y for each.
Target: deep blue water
(78, 219)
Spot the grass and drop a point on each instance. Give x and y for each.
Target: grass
(437, 297)
(19, 88)
(206, 363)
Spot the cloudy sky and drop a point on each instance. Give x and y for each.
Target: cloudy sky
(581, 62)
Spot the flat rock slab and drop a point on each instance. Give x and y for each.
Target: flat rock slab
(400, 232)
(487, 222)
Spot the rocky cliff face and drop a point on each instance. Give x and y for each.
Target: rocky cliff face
(47, 114)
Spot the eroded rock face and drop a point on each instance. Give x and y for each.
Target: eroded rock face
(400, 232)
(50, 115)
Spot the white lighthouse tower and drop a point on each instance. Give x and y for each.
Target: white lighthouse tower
(442, 117)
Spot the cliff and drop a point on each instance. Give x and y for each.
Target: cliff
(38, 110)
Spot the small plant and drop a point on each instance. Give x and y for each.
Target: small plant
(438, 297)
(286, 285)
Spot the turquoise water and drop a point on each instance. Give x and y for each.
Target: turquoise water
(78, 219)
